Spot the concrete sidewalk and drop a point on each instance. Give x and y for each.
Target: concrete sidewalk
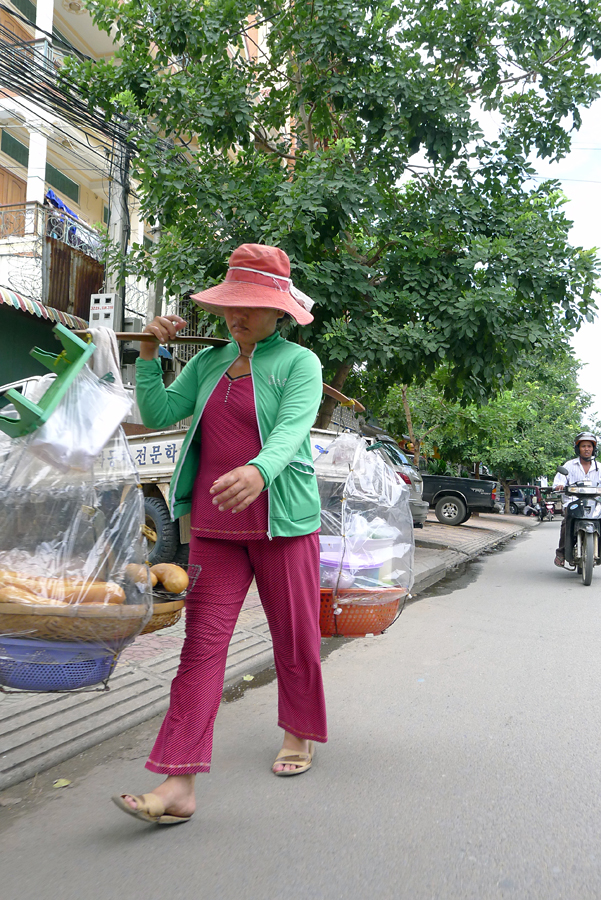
(41, 730)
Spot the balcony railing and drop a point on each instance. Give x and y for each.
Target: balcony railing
(33, 54)
(32, 220)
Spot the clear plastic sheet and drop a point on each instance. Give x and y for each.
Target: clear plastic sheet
(82, 424)
(366, 539)
(72, 564)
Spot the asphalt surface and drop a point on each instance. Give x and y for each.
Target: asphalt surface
(464, 762)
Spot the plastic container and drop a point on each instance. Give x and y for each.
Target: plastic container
(52, 665)
(332, 575)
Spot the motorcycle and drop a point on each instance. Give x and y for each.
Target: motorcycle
(547, 511)
(583, 526)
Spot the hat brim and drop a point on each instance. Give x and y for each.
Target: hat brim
(241, 293)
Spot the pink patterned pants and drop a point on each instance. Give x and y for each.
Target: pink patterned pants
(287, 575)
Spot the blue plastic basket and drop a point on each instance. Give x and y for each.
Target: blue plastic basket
(53, 665)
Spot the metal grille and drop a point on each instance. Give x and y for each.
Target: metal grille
(35, 220)
(195, 317)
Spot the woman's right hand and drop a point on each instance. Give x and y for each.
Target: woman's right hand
(164, 328)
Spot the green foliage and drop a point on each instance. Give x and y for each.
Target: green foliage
(521, 434)
(440, 467)
(309, 141)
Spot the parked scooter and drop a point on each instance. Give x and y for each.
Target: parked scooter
(547, 511)
(583, 526)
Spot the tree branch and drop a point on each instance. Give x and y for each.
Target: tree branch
(265, 143)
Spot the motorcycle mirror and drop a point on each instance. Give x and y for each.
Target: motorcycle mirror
(562, 470)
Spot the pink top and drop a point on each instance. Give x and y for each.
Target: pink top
(229, 437)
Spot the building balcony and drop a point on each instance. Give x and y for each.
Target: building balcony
(31, 221)
(50, 256)
(38, 56)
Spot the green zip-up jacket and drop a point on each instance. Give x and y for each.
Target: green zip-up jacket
(287, 383)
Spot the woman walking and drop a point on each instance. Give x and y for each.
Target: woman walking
(245, 473)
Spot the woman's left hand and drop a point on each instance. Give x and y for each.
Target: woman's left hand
(237, 489)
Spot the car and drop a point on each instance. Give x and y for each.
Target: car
(517, 501)
(410, 474)
(454, 498)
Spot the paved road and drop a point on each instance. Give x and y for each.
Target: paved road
(464, 762)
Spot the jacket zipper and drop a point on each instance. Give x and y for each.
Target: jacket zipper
(252, 378)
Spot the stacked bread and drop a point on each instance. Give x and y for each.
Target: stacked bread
(18, 588)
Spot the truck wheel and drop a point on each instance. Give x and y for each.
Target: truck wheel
(450, 510)
(161, 533)
(182, 557)
(588, 558)
(513, 509)
(467, 516)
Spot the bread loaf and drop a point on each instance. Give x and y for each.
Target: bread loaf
(65, 590)
(173, 578)
(11, 593)
(139, 574)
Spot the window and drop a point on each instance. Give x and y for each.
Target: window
(62, 183)
(395, 454)
(28, 10)
(14, 148)
(105, 215)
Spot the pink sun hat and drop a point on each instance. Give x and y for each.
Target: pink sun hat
(257, 276)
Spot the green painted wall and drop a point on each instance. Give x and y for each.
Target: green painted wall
(19, 333)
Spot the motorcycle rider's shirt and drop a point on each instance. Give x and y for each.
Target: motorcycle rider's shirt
(576, 473)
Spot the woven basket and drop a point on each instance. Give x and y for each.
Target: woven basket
(164, 615)
(361, 611)
(111, 624)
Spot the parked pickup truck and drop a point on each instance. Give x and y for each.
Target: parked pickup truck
(155, 455)
(455, 499)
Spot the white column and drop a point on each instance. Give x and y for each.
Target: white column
(36, 176)
(44, 18)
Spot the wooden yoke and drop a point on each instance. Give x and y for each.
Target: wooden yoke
(220, 342)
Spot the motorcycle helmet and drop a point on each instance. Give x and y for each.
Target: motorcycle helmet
(585, 436)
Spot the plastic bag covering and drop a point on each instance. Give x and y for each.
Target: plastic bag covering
(366, 539)
(82, 424)
(72, 552)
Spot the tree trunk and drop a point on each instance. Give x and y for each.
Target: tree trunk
(507, 490)
(328, 404)
(476, 475)
(407, 409)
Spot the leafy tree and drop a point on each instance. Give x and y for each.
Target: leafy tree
(346, 132)
(521, 434)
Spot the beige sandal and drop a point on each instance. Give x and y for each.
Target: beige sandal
(302, 761)
(149, 808)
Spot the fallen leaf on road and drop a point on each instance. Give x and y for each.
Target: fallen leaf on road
(248, 678)
(61, 782)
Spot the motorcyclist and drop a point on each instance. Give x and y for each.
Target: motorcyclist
(532, 507)
(583, 467)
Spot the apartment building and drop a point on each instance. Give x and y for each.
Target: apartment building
(60, 184)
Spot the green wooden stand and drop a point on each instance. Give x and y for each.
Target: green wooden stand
(66, 365)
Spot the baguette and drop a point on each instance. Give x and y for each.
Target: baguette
(65, 589)
(139, 574)
(11, 593)
(173, 578)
